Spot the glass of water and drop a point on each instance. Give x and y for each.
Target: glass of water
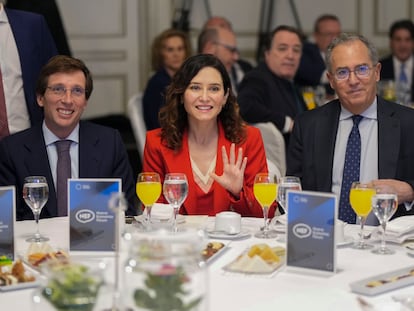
(175, 190)
(384, 205)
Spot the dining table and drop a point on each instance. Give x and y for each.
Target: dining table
(281, 290)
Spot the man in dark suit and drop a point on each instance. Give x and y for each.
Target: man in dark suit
(267, 93)
(227, 52)
(26, 45)
(63, 90)
(312, 68)
(318, 143)
(401, 36)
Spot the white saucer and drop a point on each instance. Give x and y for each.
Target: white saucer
(348, 240)
(225, 236)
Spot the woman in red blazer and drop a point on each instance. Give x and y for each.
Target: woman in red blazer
(203, 136)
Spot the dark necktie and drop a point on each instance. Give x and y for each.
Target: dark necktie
(403, 75)
(351, 171)
(63, 174)
(4, 127)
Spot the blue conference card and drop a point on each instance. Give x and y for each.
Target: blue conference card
(92, 222)
(7, 219)
(311, 231)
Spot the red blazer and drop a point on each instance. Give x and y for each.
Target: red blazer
(158, 158)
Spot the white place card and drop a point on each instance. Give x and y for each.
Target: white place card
(310, 233)
(7, 220)
(92, 222)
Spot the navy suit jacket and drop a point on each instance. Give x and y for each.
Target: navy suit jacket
(101, 155)
(35, 46)
(387, 72)
(265, 97)
(312, 145)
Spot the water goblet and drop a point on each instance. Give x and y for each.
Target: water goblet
(286, 183)
(36, 194)
(384, 205)
(265, 190)
(148, 190)
(360, 198)
(175, 191)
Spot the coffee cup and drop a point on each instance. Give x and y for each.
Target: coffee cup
(228, 222)
(340, 230)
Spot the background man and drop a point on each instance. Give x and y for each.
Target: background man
(26, 45)
(312, 68)
(398, 66)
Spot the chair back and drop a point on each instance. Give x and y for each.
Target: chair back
(136, 116)
(274, 144)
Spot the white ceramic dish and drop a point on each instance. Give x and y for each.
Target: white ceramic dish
(218, 253)
(225, 236)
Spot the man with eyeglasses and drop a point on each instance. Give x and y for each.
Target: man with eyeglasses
(93, 151)
(222, 43)
(312, 68)
(241, 66)
(320, 141)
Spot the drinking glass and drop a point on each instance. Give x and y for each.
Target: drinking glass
(384, 205)
(286, 183)
(175, 191)
(148, 190)
(265, 191)
(36, 194)
(360, 198)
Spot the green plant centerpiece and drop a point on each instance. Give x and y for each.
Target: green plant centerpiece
(72, 287)
(165, 291)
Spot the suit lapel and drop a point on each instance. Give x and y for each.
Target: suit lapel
(89, 153)
(36, 162)
(325, 146)
(388, 140)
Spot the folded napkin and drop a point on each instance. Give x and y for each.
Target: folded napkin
(161, 211)
(401, 225)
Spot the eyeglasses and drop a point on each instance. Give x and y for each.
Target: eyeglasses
(361, 71)
(60, 90)
(231, 49)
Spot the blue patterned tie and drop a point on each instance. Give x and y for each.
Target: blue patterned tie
(403, 76)
(351, 171)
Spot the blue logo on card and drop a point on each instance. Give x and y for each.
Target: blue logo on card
(85, 215)
(302, 230)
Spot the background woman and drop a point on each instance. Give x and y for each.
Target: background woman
(169, 50)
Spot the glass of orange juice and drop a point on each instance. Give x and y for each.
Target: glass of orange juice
(360, 198)
(148, 190)
(265, 192)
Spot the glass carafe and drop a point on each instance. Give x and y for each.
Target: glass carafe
(165, 272)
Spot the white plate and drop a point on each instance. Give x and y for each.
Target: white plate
(225, 236)
(409, 247)
(18, 286)
(161, 218)
(348, 240)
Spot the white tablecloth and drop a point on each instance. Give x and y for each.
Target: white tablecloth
(283, 291)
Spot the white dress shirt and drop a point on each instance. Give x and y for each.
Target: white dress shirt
(17, 113)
